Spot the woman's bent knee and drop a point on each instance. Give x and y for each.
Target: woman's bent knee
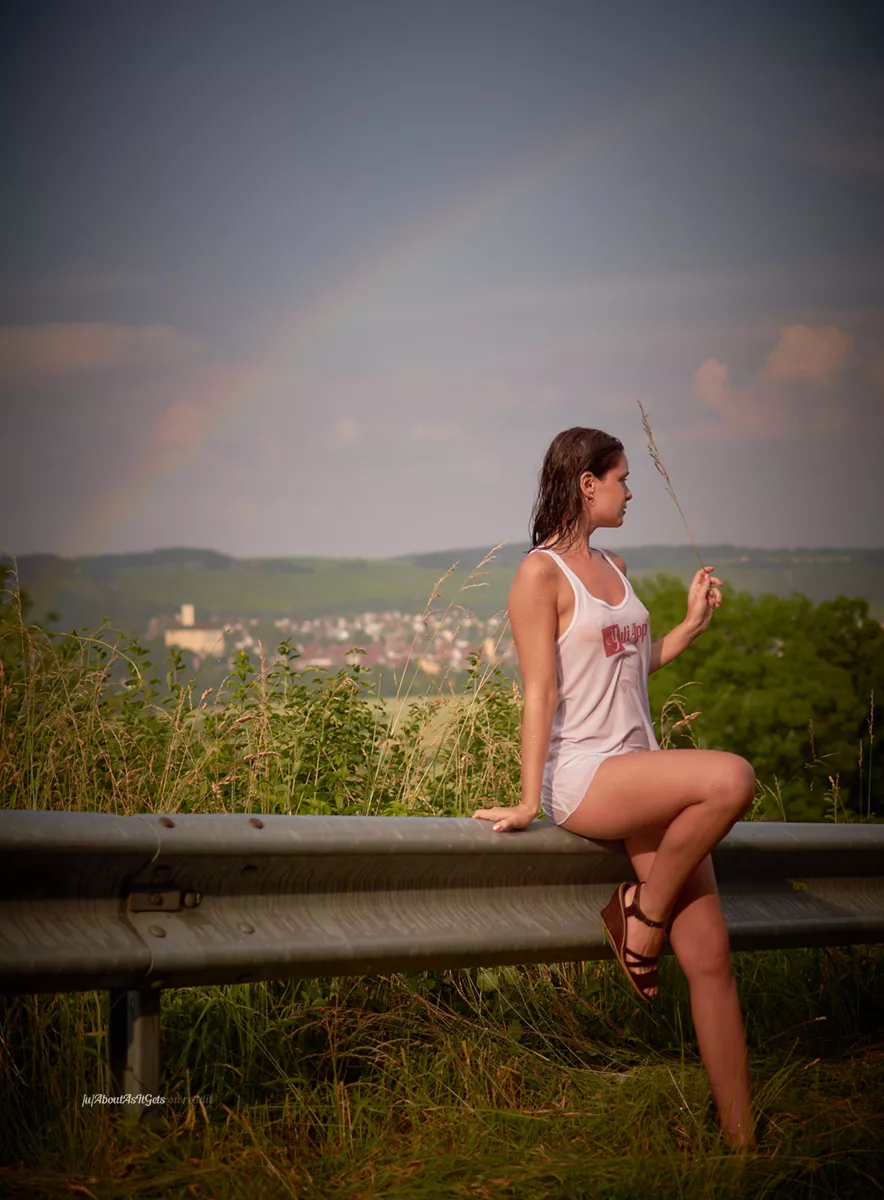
(735, 785)
(746, 788)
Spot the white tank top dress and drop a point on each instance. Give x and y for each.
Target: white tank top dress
(602, 662)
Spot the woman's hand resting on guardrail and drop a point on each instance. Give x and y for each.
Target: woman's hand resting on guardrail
(516, 817)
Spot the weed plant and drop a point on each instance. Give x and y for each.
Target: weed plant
(536, 1081)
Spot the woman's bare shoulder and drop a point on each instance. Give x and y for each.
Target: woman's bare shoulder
(532, 603)
(535, 583)
(536, 566)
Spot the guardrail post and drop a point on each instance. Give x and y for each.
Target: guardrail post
(134, 1044)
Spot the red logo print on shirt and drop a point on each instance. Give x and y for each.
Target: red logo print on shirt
(615, 637)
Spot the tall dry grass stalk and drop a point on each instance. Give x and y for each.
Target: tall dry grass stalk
(658, 463)
(444, 739)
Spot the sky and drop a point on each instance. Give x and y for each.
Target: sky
(327, 278)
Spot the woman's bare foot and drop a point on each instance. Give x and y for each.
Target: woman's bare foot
(641, 937)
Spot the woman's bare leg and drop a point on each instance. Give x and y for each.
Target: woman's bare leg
(700, 941)
(696, 795)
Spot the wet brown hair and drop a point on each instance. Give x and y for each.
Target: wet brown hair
(559, 503)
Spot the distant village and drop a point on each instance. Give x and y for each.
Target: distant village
(390, 639)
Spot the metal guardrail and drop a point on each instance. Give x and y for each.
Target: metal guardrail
(136, 904)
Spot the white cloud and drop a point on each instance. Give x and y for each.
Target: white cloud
(49, 351)
(433, 433)
(809, 354)
(181, 424)
(484, 467)
(204, 394)
(345, 431)
(791, 395)
(711, 382)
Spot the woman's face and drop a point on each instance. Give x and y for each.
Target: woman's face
(610, 493)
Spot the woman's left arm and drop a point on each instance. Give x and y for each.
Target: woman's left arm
(703, 599)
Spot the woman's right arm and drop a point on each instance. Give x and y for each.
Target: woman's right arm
(533, 617)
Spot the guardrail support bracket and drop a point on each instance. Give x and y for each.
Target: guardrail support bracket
(134, 1045)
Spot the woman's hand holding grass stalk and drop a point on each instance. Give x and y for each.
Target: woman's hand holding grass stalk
(702, 596)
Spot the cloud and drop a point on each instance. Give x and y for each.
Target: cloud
(711, 382)
(36, 352)
(809, 354)
(792, 394)
(181, 424)
(433, 433)
(205, 395)
(484, 467)
(345, 431)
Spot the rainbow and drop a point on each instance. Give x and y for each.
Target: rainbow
(90, 530)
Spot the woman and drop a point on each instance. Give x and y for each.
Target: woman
(589, 754)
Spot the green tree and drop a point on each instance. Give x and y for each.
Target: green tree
(786, 684)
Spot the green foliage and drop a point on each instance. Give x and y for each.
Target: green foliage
(87, 723)
(787, 684)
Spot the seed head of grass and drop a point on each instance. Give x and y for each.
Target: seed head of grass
(658, 463)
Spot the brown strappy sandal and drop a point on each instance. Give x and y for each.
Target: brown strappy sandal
(614, 916)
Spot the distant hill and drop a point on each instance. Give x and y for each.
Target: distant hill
(652, 558)
(131, 588)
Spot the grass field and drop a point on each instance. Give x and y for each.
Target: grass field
(528, 1082)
